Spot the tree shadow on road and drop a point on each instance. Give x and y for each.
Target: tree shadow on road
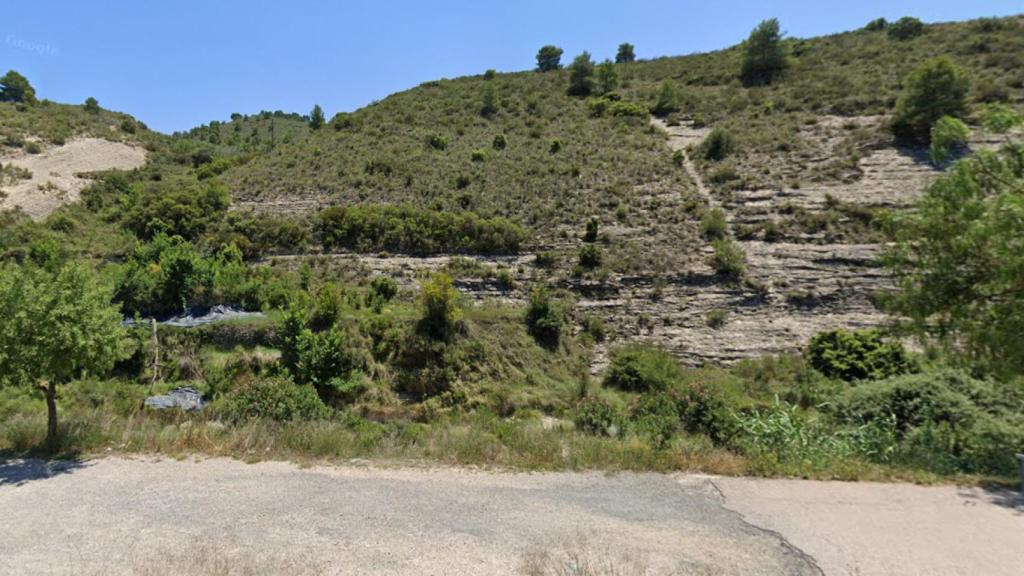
(21, 471)
(999, 493)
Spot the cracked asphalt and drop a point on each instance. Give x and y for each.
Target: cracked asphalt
(220, 516)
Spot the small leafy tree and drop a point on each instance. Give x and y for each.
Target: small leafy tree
(958, 261)
(905, 28)
(15, 88)
(763, 57)
(54, 328)
(581, 75)
(316, 117)
(935, 89)
(91, 105)
(549, 58)
(717, 145)
(607, 77)
(626, 54)
(668, 99)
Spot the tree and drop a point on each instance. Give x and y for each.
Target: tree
(441, 306)
(958, 261)
(91, 105)
(316, 117)
(935, 89)
(763, 57)
(56, 327)
(668, 99)
(549, 58)
(625, 54)
(607, 77)
(905, 28)
(15, 88)
(581, 75)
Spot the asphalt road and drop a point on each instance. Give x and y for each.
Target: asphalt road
(118, 516)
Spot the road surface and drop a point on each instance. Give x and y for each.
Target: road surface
(220, 516)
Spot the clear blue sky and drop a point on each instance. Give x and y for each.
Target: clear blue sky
(176, 64)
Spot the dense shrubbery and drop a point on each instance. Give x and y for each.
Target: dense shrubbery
(640, 368)
(176, 207)
(406, 229)
(905, 28)
(859, 355)
(717, 145)
(277, 399)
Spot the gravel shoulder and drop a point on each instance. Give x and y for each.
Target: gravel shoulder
(220, 516)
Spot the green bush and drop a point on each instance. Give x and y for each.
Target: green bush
(667, 101)
(544, 318)
(549, 58)
(441, 304)
(877, 25)
(278, 399)
(656, 417)
(857, 355)
(713, 224)
(437, 142)
(905, 28)
(914, 400)
(642, 368)
(717, 145)
(590, 256)
(947, 135)
(581, 75)
(704, 409)
(728, 259)
(383, 288)
(598, 417)
(500, 142)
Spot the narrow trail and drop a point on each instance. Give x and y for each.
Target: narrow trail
(679, 138)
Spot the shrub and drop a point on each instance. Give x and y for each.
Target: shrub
(437, 142)
(717, 145)
(441, 306)
(278, 399)
(600, 418)
(713, 224)
(478, 156)
(383, 288)
(947, 135)
(763, 57)
(607, 77)
(489, 100)
(935, 89)
(705, 410)
(549, 58)
(946, 396)
(591, 232)
(91, 105)
(716, 317)
(656, 417)
(594, 326)
(33, 147)
(728, 259)
(544, 318)
(905, 28)
(667, 101)
(857, 355)
(642, 368)
(590, 256)
(500, 142)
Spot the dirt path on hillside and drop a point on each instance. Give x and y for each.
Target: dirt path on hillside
(117, 516)
(56, 173)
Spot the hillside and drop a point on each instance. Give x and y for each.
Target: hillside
(812, 172)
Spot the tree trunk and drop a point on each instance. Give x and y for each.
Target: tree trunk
(51, 415)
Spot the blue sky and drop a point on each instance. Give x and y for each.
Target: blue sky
(176, 64)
